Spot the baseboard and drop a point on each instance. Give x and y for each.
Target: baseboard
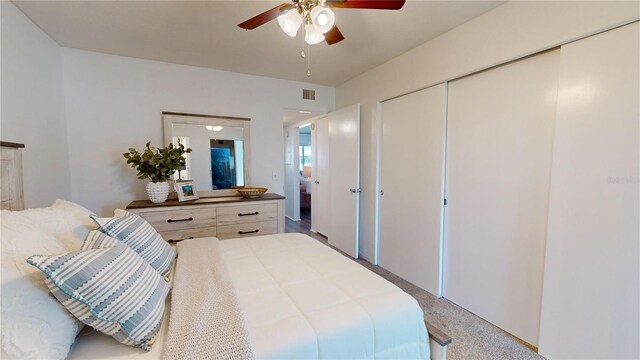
(292, 219)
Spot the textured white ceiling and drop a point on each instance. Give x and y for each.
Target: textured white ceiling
(205, 33)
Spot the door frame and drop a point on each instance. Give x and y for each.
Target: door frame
(296, 185)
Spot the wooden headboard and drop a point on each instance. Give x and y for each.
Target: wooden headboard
(11, 176)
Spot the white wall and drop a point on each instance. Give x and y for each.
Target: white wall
(33, 106)
(508, 32)
(114, 102)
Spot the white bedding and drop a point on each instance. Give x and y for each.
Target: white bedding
(302, 299)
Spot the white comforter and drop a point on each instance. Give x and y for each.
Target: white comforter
(301, 299)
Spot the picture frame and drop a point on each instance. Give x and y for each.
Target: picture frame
(186, 190)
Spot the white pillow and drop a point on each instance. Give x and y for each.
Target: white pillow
(68, 222)
(33, 324)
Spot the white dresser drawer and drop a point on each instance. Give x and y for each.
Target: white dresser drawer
(247, 229)
(243, 214)
(182, 219)
(177, 235)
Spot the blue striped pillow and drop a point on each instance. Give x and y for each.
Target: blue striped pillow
(139, 235)
(111, 289)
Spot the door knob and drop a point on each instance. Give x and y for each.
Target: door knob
(381, 192)
(352, 190)
(317, 182)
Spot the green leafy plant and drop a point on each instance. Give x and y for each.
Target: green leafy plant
(156, 164)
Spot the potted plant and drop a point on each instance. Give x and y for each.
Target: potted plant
(157, 165)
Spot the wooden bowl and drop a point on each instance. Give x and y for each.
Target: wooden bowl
(251, 193)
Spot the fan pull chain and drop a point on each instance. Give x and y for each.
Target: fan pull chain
(302, 53)
(309, 60)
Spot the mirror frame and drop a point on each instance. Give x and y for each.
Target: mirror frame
(170, 118)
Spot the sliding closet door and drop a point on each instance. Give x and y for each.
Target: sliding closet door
(320, 192)
(591, 302)
(413, 130)
(499, 142)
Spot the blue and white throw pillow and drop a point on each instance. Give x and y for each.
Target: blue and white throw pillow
(139, 235)
(111, 289)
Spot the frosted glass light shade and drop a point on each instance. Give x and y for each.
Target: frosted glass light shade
(290, 22)
(311, 35)
(322, 18)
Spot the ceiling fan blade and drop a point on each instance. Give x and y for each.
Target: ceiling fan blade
(265, 17)
(333, 36)
(367, 4)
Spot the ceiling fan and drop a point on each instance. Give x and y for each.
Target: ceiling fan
(317, 16)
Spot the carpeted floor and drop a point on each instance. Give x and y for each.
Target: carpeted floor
(473, 337)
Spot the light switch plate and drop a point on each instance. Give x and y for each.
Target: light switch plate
(275, 176)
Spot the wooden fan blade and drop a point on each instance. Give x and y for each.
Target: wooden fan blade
(333, 36)
(366, 4)
(265, 17)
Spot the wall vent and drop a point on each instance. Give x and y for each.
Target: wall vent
(308, 94)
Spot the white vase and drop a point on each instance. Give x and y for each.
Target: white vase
(158, 192)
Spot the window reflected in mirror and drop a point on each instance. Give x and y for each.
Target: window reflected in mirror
(217, 158)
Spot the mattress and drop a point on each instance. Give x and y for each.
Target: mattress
(302, 299)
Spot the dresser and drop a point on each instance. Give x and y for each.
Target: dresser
(223, 217)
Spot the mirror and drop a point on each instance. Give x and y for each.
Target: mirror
(218, 162)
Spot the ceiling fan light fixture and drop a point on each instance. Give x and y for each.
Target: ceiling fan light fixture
(322, 18)
(290, 22)
(311, 35)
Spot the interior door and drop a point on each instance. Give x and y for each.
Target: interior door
(320, 186)
(410, 217)
(344, 186)
(499, 141)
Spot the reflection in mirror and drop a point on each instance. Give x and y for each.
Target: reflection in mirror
(217, 163)
(217, 158)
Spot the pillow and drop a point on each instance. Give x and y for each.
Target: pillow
(68, 222)
(138, 234)
(33, 324)
(111, 289)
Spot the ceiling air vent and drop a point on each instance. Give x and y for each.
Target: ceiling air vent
(308, 94)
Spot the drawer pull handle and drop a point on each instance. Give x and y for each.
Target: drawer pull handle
(179, 220)
(248, 232)
(172, 240)
(249, 214)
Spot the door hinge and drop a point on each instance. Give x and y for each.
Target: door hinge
(445, 201)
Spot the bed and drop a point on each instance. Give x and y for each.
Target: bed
(299, 299)
(302, 299)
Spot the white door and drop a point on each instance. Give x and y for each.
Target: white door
(411, 184)
(344, 186)
(499, 142)
(591, 302)
(320, 186)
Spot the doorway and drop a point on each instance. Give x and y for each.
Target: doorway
(299, 162)
(305, 169)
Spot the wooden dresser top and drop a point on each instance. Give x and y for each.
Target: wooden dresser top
(140, 204)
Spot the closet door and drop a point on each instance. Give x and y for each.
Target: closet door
(499, 142)
(591, 302)
(320, 192)
(411, 178)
